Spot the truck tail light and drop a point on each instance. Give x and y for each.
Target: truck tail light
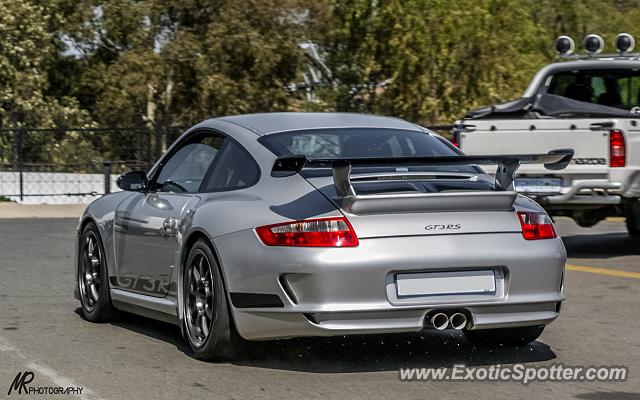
(536, 226)
(324, 232)
(617, 149)
(455, 140)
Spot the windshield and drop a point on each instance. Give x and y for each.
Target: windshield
(362, 143)
(618, 88)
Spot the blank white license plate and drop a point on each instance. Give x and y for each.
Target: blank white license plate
(444, 283)
(538, 185)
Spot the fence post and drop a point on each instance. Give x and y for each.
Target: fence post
(148, 159)
(21, 185)
(139, 147)
(17, 150)
(106, 170)
(158, 144)
(19, 161)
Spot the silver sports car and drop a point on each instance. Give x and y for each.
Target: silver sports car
(280, 225)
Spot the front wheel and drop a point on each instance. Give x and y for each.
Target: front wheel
(207, 323)
(510, 337)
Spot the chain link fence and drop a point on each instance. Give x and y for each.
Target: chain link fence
(73, 165)
(76, 165)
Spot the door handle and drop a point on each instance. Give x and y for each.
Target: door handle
(169, 227)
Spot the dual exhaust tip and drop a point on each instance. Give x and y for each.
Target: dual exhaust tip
(442, 321)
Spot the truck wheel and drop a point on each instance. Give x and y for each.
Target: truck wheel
(633, 217)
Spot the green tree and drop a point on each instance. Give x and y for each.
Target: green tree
(127, 63)
(181, 62)
(430, 60)
(27, 49)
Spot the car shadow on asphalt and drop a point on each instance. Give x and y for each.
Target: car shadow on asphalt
(602, 245)
(348, 354)
(158, 330)
(609, 396)
(358, 353)
(371, 353)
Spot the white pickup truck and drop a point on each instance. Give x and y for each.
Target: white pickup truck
(589, 105)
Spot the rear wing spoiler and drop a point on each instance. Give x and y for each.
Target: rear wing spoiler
(507, 165)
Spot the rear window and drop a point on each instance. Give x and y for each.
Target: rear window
(608, 87)
(362, 143)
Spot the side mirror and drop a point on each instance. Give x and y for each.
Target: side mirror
(133, 181)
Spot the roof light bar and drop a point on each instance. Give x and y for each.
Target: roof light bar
(625, 43)
(593, 44)
(565, 45)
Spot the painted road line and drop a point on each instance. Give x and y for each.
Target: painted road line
(42, 369)
(603, 271)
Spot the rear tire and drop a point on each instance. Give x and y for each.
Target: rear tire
(207, 323)
(633, 217)
(93, 277)
(509, 337)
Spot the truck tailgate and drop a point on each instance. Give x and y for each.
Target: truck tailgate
(539, 136)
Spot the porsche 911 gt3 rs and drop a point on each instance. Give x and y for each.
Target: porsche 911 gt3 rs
(282, 225)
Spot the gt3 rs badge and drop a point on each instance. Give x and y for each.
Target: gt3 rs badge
(440, 227)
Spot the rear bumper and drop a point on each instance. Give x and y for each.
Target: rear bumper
(328, 292)
(621, 183)
(266, 325)
(587, 192)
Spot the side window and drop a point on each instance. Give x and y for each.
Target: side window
(630, 91)
(599, 87)
(186, 169)
(576, 86)
(234, 169)
(608, 87)
(560, 82)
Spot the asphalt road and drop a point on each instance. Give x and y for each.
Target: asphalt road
(41, 331)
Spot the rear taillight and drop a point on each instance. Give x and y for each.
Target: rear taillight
(325, 232)
(456, 138)
(617, 149)
(536, 226)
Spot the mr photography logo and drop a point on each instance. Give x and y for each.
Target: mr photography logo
(22, 385)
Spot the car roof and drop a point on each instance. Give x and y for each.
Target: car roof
(268, 123)
(632, 63)
(595, 63)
